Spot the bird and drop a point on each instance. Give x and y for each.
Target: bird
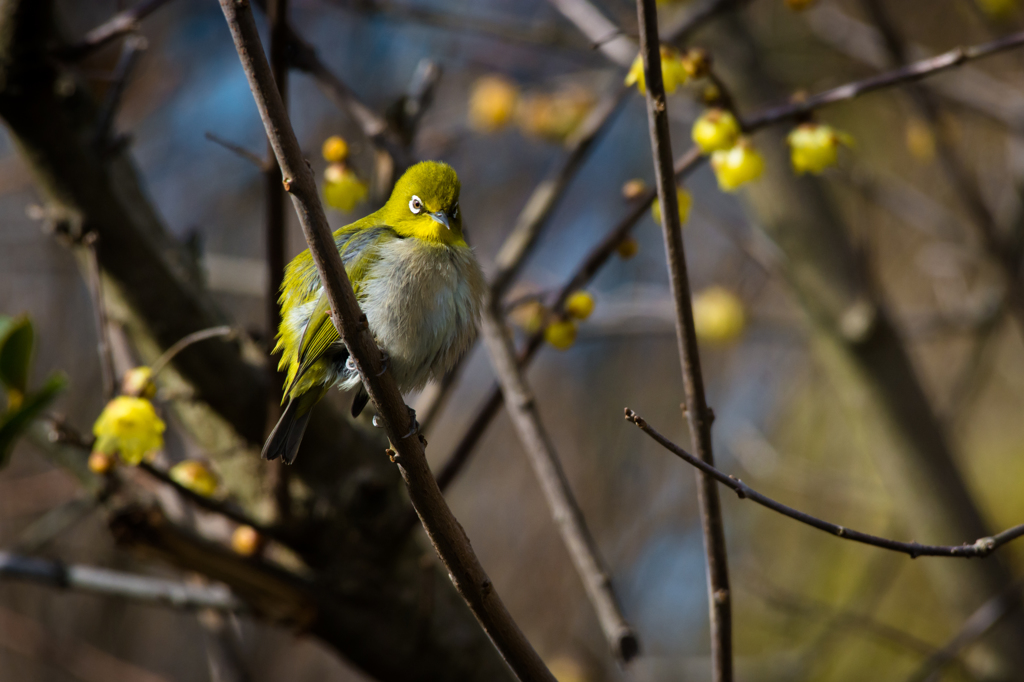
(417, 281)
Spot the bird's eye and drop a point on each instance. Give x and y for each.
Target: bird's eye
(415, 205)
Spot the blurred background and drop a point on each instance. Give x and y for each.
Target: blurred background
(806, 410)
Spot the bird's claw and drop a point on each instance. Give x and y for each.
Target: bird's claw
(415, 428)
(385, 362)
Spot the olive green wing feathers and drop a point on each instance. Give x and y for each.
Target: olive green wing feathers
(359, 251)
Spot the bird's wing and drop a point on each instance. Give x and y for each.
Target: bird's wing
(359, 250)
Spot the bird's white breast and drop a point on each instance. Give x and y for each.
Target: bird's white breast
(422, 303)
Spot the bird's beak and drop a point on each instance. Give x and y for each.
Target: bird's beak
(442, 218)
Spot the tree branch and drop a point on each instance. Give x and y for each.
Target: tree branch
(110, 583)
(568, 517)
(979, 548)
(444, 531)
(698, 416)
(601, 32)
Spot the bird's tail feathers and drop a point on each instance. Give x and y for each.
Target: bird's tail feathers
(286, 437)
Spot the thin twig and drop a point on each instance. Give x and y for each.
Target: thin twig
(449, 540)
(979, 548)
(130, 53)
(99, 308)
(698, 416)
(109, 583)
(906, 74)
(602, 33)
(252, 157)
(568, 517)
(185, 342)
(118, 25)
(986, 617)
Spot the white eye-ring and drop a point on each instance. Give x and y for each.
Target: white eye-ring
(415, 205)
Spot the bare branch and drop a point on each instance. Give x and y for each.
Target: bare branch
(130, 53)
(109, 583)
(252, 157)
(442, 528)
(568, 517)
(186, 341)
(979, 548)
(601, 32)
(118, 25)
(698, 416)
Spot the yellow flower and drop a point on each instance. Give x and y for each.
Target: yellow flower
(195, 476)
(554, 116)
(343, 189)
(716, 130)
(492, 102)
(632, 189)
(920, 139)
(628, 248)
(100, 462)
(246, 541)
(813, 147)
(579, 305)
(684, 199)
(999, 9)
(129, 426)
(718, 315)
(736, 166)
(138, 382)
(529, 316)
(674, 71)
(561, 334)
(335, 149)
(798, 5)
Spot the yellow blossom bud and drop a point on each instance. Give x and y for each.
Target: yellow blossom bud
(716, 130)
(129, 427)
(920, 140)
(343, 189)
(674, 71)
(813, 147)
(736, 166)
(491, 103)
(798, 5)
(684, 199)
(554, 116)
(335, 149)
(246, 541)
(718, 315)
(632, 189)
(999, 9)
(195, 476)
(628, 248)
(561, 334)
(529, 316)
(138, 382)
(695, 63)
(100, 462)
(579, 305)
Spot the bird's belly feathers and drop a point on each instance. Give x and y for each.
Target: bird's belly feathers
(422, 303)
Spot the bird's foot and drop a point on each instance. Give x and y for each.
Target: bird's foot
(415, 428)
(385, 362)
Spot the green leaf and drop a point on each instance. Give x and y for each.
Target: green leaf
(16, 337)
(14, 422)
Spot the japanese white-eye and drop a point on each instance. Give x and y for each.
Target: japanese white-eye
(416, 280)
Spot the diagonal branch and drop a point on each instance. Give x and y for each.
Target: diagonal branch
(979, 548)
(698, 415)
(118, 25)
(568, 517)
(110, 583)
(445, 533)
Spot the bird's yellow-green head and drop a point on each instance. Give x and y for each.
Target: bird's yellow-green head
(425, 204)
